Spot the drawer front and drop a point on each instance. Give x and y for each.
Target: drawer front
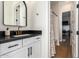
(27, 41)
(19, 53)
(31, 40)
(37, 38)
(10, 46)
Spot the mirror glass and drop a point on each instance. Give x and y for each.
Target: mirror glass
(15, 13)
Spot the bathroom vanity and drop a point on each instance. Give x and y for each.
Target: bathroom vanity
(25, 46)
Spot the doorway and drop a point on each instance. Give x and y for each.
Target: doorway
(66, 16)
(62, 18)
(65, 49)
(66, 33)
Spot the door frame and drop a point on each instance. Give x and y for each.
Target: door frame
(75, 40)
(77, 28)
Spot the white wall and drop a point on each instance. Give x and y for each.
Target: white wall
(40, 22)
(75, 40)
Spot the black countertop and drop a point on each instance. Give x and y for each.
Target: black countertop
(9, 39)
(32, 33)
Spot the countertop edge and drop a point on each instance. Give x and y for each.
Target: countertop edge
(18, 38)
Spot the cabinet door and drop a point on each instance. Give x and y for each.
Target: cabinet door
(19, 53)
(29, 50)
(36, 50)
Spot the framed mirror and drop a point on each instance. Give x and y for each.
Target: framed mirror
(15, 13)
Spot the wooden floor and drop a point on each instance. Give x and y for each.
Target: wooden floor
(64, 50)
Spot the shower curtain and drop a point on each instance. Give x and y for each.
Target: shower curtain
(52, 40)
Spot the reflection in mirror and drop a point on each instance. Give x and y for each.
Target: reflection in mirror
(15, 13)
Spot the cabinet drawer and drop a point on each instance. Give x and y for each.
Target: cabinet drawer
(31, 40)
(28, 41)
(37, 38)
(19, 53)
(10, 46)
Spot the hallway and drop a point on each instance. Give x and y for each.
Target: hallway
(64, 50)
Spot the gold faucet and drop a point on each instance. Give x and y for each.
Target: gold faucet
(18, 32)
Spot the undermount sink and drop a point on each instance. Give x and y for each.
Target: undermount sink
(21, 35)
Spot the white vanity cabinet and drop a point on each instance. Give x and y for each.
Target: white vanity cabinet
(24, 48)
(33, 47)
(36, 50)
(33, 50)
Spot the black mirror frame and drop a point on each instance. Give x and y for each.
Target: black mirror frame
(25, 13)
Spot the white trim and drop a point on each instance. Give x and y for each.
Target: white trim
(49, 29)
(76, 29)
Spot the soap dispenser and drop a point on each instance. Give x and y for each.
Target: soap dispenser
(7, 32)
